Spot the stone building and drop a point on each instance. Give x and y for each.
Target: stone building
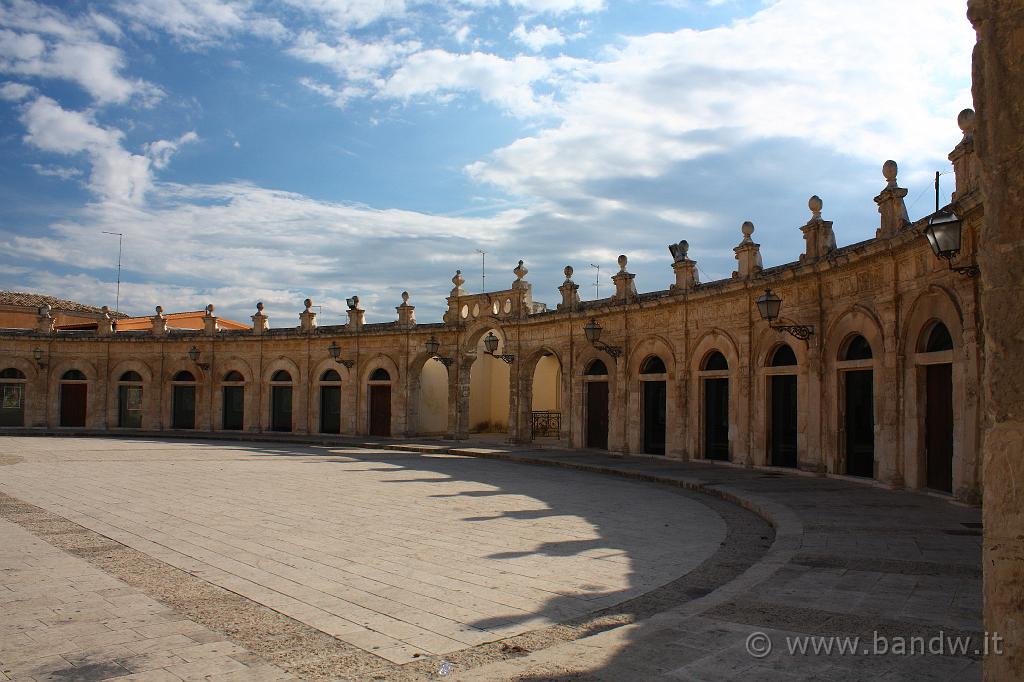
(871, 369)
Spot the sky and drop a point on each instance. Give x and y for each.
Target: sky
(272, 151)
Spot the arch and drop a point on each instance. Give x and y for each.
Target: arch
(653, 365)
(131, 375)
(653, 423)
(184, 376)
(935, 338)
(233, 375)
(12, 373)
(652, 345)
(428, 403)
(381, 409)
(282, 376)
(234, 404)
(596, 368)
(541, 394)
(717, 405)
(73, 375)
(936, 303)
(330, 375)
(857, 348)
(380, 374)
(490, 407)
(715, 361)
(783, 356)
(13, 389)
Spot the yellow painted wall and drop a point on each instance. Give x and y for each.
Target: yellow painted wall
(547, 385)
(488, 392)
(433, 405)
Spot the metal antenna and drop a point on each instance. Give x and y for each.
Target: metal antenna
(483, 270)
(936, 191)
(120, 245)
(597, 281)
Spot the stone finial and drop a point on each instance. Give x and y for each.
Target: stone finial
(569, 291)
(105, 327)
(356, 315)
(625, 289)
(159, 322)
(45, 323)
(748, 253)
(210, 324)
(679, 251)
(307, 318)
(966, 120)
(965, 162)
(520, 271)
(209, 310)
(891, 207)
(259, 320)
(406, 312)
(458, 280)
(818, 234)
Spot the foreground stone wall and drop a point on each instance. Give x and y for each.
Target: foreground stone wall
(890, 290)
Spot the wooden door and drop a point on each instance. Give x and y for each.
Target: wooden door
(280, 408)
(183, 407)
(330, 409)
(597, 414)
(654, 416)
(860, 423)
(380, 410)
(129, 407)
(12, 404)
(716, 419)
(233, 414)
(938, 427)
(73, 398)
(783, 424)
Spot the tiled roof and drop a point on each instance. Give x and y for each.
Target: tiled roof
(28, 300)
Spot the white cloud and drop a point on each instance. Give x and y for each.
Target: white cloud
(161, 151)
(200, 23)
(15, 92)
(349, 57)
(347, 14)
(62, 172)
(538, 37)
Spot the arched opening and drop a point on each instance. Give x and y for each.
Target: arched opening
(379, 401)
(654, 404)
(74, 395)
(233, 412)
(183, 401)
(12, 397)
(281, 401)
(595, 379)
(782, 398)
(129, 400)
(938, 407)
(715, 379)
(858, 418)
(432, 401)
(546, 401)
(330, 401)
(489, 390)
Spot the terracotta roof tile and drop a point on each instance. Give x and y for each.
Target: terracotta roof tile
(30, 300)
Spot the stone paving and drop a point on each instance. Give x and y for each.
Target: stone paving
(847, 559)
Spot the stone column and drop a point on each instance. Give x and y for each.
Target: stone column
(999, 101)
(891, 207)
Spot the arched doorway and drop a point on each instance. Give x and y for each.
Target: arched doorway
(129, 400)
(546, 398)
(858, 418)
(489, 388)
(281, 401)
(939, 416)
(714, 376)
(330, 401)
(653, 404)
(782, 436)
(233, 412)
(12, 397)
(379, 401)
(74, 395)
(183, 400)
(595, 379)
(432, 399)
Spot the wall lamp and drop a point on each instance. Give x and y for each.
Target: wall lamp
(433, 345)
(769, 305)
(592, 330)
(193, 355)
(944, 232)
(37, 355)
(335, 350)
(491, 345)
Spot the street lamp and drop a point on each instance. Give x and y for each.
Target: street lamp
(491, 345)
(769, 305)
(592, 330)
(37, 355)
(944, 233)
(193, 355)
(335, 351)
(433, 345)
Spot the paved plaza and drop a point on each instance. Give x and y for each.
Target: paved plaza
(170, 559)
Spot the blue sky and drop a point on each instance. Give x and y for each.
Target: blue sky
(273, 151)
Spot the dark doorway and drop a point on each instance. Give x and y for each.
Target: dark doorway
(12, 397)
(938, 427)
(597, 415)
(716, 419)
(330, 409)
(280, 408)
(380, 410)
(783, 425)
(183, 407)
(860, 423)
(129, 406)
(233, 414)
(73, 399)
(654, 397)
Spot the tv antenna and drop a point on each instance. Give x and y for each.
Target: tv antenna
(597, 281)
(483, 270)
(120, 245)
